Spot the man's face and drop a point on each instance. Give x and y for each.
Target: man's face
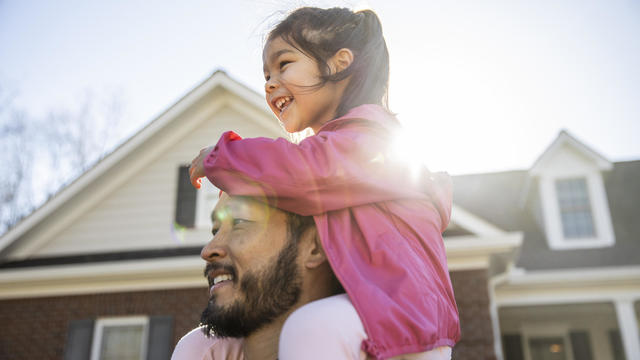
(251, 267)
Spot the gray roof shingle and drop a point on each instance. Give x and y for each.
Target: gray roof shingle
(497, 198)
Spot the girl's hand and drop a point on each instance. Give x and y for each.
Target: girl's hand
(196, 170)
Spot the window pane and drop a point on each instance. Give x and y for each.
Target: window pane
(122, 342)
(548, 348)
(207, 198)
(575, 208)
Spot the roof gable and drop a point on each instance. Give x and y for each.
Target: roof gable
(567, 148)
(216, 91)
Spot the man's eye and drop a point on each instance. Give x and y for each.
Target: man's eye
(239, 221)
(214, 231)
(267, 77)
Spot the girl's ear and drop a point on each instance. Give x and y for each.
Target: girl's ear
(341, 60)
(312, 252)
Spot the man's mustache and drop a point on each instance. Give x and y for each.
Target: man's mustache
(210, 267)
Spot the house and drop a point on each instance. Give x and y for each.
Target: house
(573, 289)
(544, 262)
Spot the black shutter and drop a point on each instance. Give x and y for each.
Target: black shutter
(512, 347)
(581, 345)
(79, 338)
(185, 199)
(616, 345)
(160, 338)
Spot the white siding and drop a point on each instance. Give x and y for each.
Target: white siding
(139, 213)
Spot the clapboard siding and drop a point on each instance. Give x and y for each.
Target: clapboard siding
(140, 213)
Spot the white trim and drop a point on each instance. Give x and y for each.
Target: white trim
(564, 296)
(628, 325)
(136, 275)
(519, 288)
(520, 276)
(473, 223)
(599, 211)
(463, 253)
(473, 252)
(540, 165)
(100, 324)
(218, 79)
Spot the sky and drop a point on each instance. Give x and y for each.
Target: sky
(480, 86)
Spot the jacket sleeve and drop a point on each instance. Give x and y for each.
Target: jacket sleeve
(329, 171)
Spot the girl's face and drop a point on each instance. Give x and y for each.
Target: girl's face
(291, 88)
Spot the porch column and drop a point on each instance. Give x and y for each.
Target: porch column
(628, 324)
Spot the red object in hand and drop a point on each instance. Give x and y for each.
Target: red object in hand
(196, 170)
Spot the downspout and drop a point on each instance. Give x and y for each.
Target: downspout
(493, 312)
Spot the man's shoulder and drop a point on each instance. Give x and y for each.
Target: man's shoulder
(196, 345)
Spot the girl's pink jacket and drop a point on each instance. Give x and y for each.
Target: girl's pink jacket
(380, 223)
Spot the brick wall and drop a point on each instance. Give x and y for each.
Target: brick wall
(44, 321)
(37, 328)
(472, 297)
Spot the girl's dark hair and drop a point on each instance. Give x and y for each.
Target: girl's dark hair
(320, 33)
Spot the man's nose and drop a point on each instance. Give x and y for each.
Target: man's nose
(215, 249)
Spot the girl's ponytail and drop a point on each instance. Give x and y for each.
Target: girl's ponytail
(370, 80)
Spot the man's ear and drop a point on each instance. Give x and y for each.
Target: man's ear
(312, 252)
(341, 60)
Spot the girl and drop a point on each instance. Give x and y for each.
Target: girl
(328, 70)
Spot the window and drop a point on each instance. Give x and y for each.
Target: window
(207, 198)
(185, 199)
(547, 348)
(554, 341)
(576, 211)
(575, 208)
(193, 207)
(120, 338)
(512, 347)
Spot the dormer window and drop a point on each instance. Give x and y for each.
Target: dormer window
(575, 211)
(575, 208)
(573, 197)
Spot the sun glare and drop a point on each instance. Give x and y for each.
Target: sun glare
(406, 148)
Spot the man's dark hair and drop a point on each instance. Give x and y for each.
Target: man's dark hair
(297, 225)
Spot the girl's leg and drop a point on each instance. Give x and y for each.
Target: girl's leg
(330, 328)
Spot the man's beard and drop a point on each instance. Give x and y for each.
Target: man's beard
(267, 295)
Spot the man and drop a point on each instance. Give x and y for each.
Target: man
(262, 264)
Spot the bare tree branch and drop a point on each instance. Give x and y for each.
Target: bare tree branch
(56, 148)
